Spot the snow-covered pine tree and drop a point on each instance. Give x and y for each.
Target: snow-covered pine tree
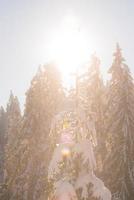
(119, 165)
(43, 100)
(95, 106)
(3, 124)
(13, 130)
(71, 170)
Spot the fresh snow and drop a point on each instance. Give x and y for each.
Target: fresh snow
(64, 191)
(98, 188)
(85, 148)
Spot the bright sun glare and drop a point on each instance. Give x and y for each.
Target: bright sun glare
(69, 48)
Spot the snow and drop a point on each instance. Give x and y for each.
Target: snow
(64, 191)
(71, 148)
(66, 137)
(85, 148)
(98, 189)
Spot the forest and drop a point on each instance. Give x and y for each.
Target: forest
(75, 144)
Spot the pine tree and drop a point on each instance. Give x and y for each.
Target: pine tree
(43, 100)
(94, 95)
(13, 118)
(3, 125)
(119, 165)
(13, 128)
(71, 170)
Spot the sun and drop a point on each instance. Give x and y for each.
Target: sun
(68, 48)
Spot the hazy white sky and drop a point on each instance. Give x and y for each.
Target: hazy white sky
(27, 26)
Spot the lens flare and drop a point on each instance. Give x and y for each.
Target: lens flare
(66, 152)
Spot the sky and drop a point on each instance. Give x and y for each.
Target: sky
(27, 28)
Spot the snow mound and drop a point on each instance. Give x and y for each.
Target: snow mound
(98, 188)
(64, 191)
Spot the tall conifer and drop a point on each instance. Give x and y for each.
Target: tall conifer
(43, 100)
(3, 125)
(119, 165)
(13, 130)
(95, 91)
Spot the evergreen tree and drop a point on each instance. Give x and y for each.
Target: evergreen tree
(94, 95)
(43, 100)
(13, 118)
(119, 165)
(13, 128)
(3, 124)
(71, 170)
